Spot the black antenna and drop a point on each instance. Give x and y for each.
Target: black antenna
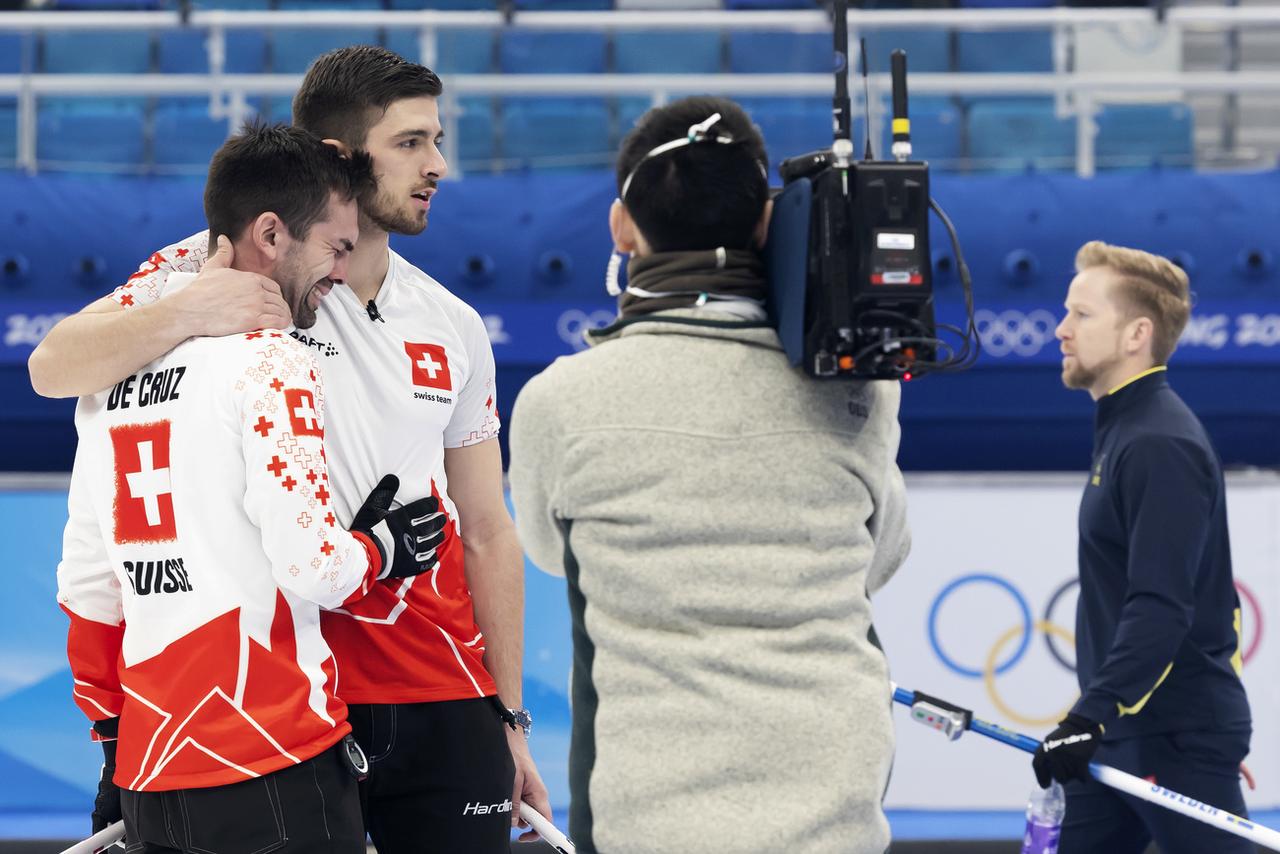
(901, 122)
(866, 99)
(840, 104)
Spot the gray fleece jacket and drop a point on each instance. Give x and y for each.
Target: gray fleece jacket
(722, 521)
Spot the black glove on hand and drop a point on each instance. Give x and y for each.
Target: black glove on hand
(1066, 752)
(407, 537)
(106, 806)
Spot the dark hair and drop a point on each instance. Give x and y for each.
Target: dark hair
(703, 195)
(281, 169)
(346, 91)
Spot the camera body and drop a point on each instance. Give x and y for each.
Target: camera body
(850, 279)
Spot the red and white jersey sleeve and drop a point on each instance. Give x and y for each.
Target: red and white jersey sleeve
(205, 477)
(89, 593)
(146, 285)
(288, 495)
(475, 413)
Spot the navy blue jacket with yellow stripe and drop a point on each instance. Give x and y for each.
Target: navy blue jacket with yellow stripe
(1158, 623)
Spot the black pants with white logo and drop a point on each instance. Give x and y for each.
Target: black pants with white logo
(309, 808)
(440, 777)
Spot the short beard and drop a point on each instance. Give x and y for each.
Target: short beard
(1080, 377)
(381, 211)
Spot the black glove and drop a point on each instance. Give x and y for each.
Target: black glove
(1066, 752)
(106, 806)
(407, 537)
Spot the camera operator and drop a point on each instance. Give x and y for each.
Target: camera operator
(721, 520)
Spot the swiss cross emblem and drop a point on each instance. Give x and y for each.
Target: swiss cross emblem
(303, 416)
(429, 366)
(143, 509)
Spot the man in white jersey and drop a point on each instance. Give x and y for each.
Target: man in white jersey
(410, 376)
(200, 547)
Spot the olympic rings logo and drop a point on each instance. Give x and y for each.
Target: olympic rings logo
(1013, 332)
(1059, 641)
(574, 324)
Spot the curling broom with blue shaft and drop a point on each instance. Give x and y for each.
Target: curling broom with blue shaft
(952, 721)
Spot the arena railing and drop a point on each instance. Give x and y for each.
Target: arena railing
(1077, 94)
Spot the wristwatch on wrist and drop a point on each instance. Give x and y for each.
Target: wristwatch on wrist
(523, 719)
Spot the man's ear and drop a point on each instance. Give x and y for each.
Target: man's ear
(343, 148)
(762, 227)
(269, 235)
(1137, 335)
(622, 227)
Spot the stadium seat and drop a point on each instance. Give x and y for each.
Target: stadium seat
(770, 4)
(562, 5)
(1008, 4)
(8, 132)
(183, 52)
(457, 51)
(936, 132)
(17, 53)
(755, 52)
(245, 5)
(294, 50)
(1138, 135)
(476, 130)
(557, 132)
(452, 5)
(666, 52)
(927, 50)
(97, 52)
(185, 136)
(96, 137)
(1008, 51)
(1010, 134)
(539, 52)
(793, 126)
(630, 109)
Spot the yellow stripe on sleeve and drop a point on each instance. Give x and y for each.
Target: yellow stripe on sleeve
(1137, 707)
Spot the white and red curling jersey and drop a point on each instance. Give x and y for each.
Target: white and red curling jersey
(203, 539)
(401, 389)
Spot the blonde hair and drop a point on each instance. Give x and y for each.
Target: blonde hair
(1148, 286)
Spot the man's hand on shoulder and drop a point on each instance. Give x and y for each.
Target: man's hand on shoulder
(224, 301)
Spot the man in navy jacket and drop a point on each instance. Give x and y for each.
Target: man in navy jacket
(1158, 624)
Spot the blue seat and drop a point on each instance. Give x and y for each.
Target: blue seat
(1008, 51)
(8, 132)
(793, 126)
(293, 51)
(927, 50)
(476, 131)
(538, 52)
(96, 138)
(17, 53)
(455, 5)
(183, 52)
(457, 51)
(185, 136)
(667, 52)
(279, 108)
(563, 5)
(557, 132)
(768, 4)
(756, 52)
(98, 52)
(1010, 134)
(1007, 4)
(630, 109)
(937, 132)
(244, 5)
(1139, 135)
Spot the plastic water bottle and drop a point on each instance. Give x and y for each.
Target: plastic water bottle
(1045, 809)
